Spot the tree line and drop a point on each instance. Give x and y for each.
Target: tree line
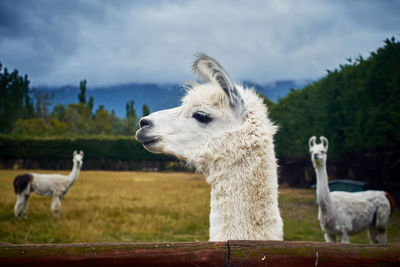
(25, 112)
(356, 106)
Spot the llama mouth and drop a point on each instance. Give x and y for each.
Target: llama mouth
(151, 145)
(148, 141)
(151, 142)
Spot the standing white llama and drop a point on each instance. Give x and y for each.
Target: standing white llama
(223, 130)
(53, 185)
(343, 213)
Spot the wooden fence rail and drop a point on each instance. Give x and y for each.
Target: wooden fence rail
(231, 253)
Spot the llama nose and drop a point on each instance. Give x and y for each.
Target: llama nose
(316, 156)
(145, 123)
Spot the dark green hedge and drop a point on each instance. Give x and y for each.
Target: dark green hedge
(357, 107)
(113, 148)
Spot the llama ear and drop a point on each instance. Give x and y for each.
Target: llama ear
(311, 141)
(81, 153)
(324, 141)
(210, 70)
(74, 154)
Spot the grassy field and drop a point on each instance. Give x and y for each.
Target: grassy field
(143, 206)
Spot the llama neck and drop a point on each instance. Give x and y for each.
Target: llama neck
(323, 193)
(74, 173)
(244, 193)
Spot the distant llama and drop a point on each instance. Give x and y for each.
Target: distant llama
(343, 213)
(53, 185)
(223, 130)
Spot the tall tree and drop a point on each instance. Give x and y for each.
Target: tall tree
(42, 103)
(130, 110)
(15, 99)
(90, 104)
(145, 110)
(82, 92)
(131, 121)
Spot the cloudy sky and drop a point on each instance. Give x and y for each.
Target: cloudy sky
(59, 42)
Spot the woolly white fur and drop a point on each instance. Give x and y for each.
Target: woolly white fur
(53, 185)
(343, 213)
(235, 151)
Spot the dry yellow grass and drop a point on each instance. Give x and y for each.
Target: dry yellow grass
(112, 206)
(142, 206)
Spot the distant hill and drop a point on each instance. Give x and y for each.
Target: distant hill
(275, 90)
(156, 96)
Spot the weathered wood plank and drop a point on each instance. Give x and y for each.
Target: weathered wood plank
(121, 254)
(276, 253)
(231, 253)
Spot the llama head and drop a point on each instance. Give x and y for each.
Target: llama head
(78, 158)
(318, 151)
(209, 112)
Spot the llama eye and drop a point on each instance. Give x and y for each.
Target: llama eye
(202, 117)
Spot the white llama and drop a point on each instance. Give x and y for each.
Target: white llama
(53, 185)
(343, 213)
(223, 130)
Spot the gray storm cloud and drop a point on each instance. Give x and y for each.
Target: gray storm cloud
(111, 42)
